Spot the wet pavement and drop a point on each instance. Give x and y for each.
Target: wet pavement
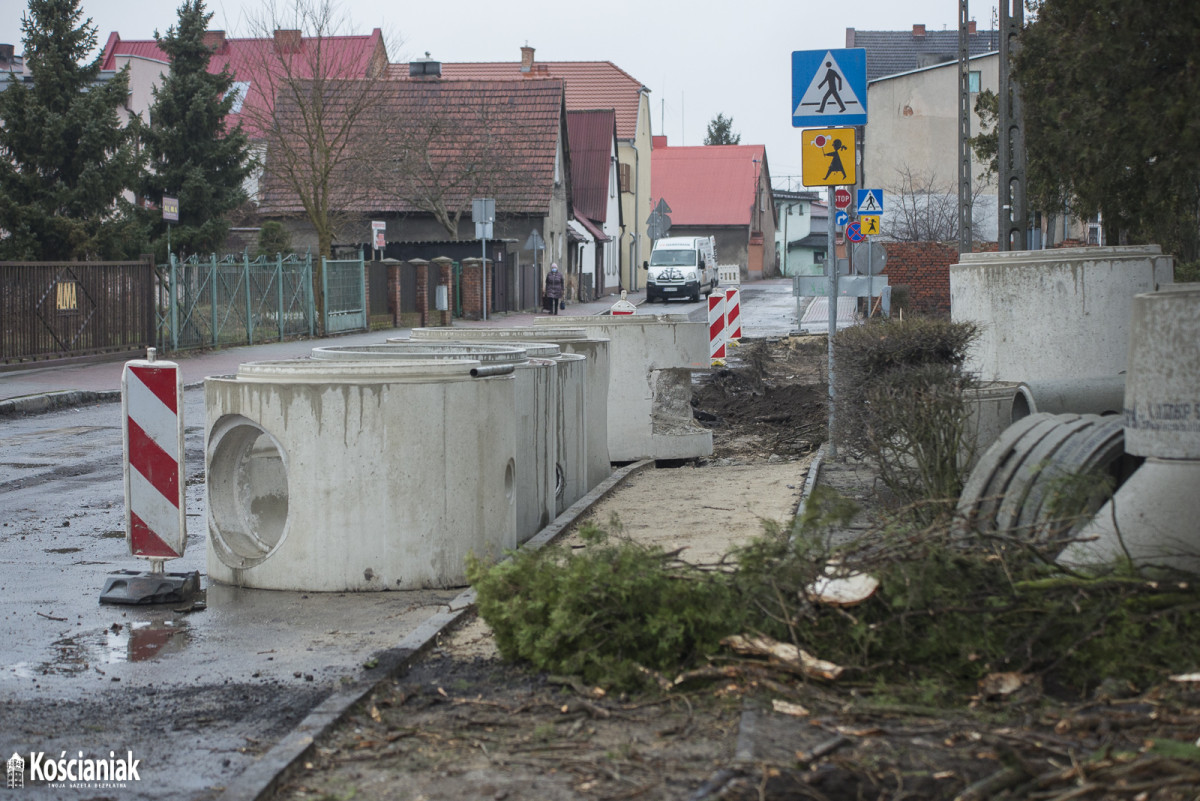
(197, 691)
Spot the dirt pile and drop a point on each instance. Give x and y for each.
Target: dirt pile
(770, 400)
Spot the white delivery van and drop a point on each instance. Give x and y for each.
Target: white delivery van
(681, 267)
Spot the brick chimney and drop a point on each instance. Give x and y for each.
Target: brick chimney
(971, 27)
(214, 40)
(287, 41)
(658, 141)
(526, 59)
(918, 31)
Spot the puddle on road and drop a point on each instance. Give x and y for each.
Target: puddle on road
(136, 641)
(145, 640)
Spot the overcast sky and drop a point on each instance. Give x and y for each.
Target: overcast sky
(698, 57)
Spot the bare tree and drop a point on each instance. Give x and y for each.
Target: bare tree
(921, 209)
(311, 87)
(447, 142)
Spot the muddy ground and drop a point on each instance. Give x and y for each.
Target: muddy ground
(463, 724)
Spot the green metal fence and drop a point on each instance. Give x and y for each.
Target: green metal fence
(233, 300)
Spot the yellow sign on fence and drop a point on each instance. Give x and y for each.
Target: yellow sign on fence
(68, 297)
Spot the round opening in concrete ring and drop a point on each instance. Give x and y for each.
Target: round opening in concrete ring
(510, 479)
(1023, 404)
(560, 480)
(247, 492)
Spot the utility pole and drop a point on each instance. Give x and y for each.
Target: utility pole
(964, 129)
(1010, 131)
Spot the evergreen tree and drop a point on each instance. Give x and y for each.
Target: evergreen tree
(192, 156)
(65, 158)
(720, 132)
(1110, 91)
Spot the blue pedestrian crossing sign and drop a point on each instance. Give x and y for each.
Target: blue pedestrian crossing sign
(829, 87)
(870, 201)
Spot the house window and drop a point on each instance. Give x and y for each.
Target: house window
(973, 81)
(626, 182)
(818, 257)
(238, 90)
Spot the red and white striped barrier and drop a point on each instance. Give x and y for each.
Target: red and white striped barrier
(622, 306)
(152, 425)
(733, 315)
(716, 328)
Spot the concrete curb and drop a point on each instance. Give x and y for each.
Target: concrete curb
(263, 778)
(810, 482)
(52, 401)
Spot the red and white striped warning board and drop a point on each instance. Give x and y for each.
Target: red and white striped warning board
(716, 328)
(622, 306)
(152, 423)
(733, 315)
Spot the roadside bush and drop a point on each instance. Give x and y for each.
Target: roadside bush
(952, 611)
(273, 238)
(606, 613)
(900, 402)
(1187, 272)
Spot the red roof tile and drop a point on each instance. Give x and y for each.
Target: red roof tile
(707, 184)
(471, 138)
(590, 84)
(591, 134)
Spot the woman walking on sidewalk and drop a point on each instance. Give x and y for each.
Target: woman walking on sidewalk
(554, 289)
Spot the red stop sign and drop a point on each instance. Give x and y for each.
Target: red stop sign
(841, 198)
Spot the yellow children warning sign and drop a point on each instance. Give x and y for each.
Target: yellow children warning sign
(870, 224)
(827, 157)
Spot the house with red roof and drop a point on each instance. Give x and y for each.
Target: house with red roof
(257, 64)
(594, 230)
(431, 146)
(722, 191)
(591, 85)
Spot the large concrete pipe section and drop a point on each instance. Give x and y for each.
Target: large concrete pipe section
(569, 340)
(652, 358)
(357, 475)
(1051, 315)
(1152, 519)
(993, 407)
(543, 461)
(1038, 479)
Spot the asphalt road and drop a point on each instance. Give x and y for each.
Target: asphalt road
(195, 694)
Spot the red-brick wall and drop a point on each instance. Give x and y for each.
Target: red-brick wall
(472, 282)
(924, 267)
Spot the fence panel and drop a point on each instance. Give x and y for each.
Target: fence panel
(55, 310)
(345, 295)
(234, 300)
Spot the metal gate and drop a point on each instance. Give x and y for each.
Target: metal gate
(345, 291)
(234, 301)
(54, 310)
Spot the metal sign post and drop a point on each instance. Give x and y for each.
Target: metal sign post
(483, 211)
(378, 235)
(831, 268)
(170, 213)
